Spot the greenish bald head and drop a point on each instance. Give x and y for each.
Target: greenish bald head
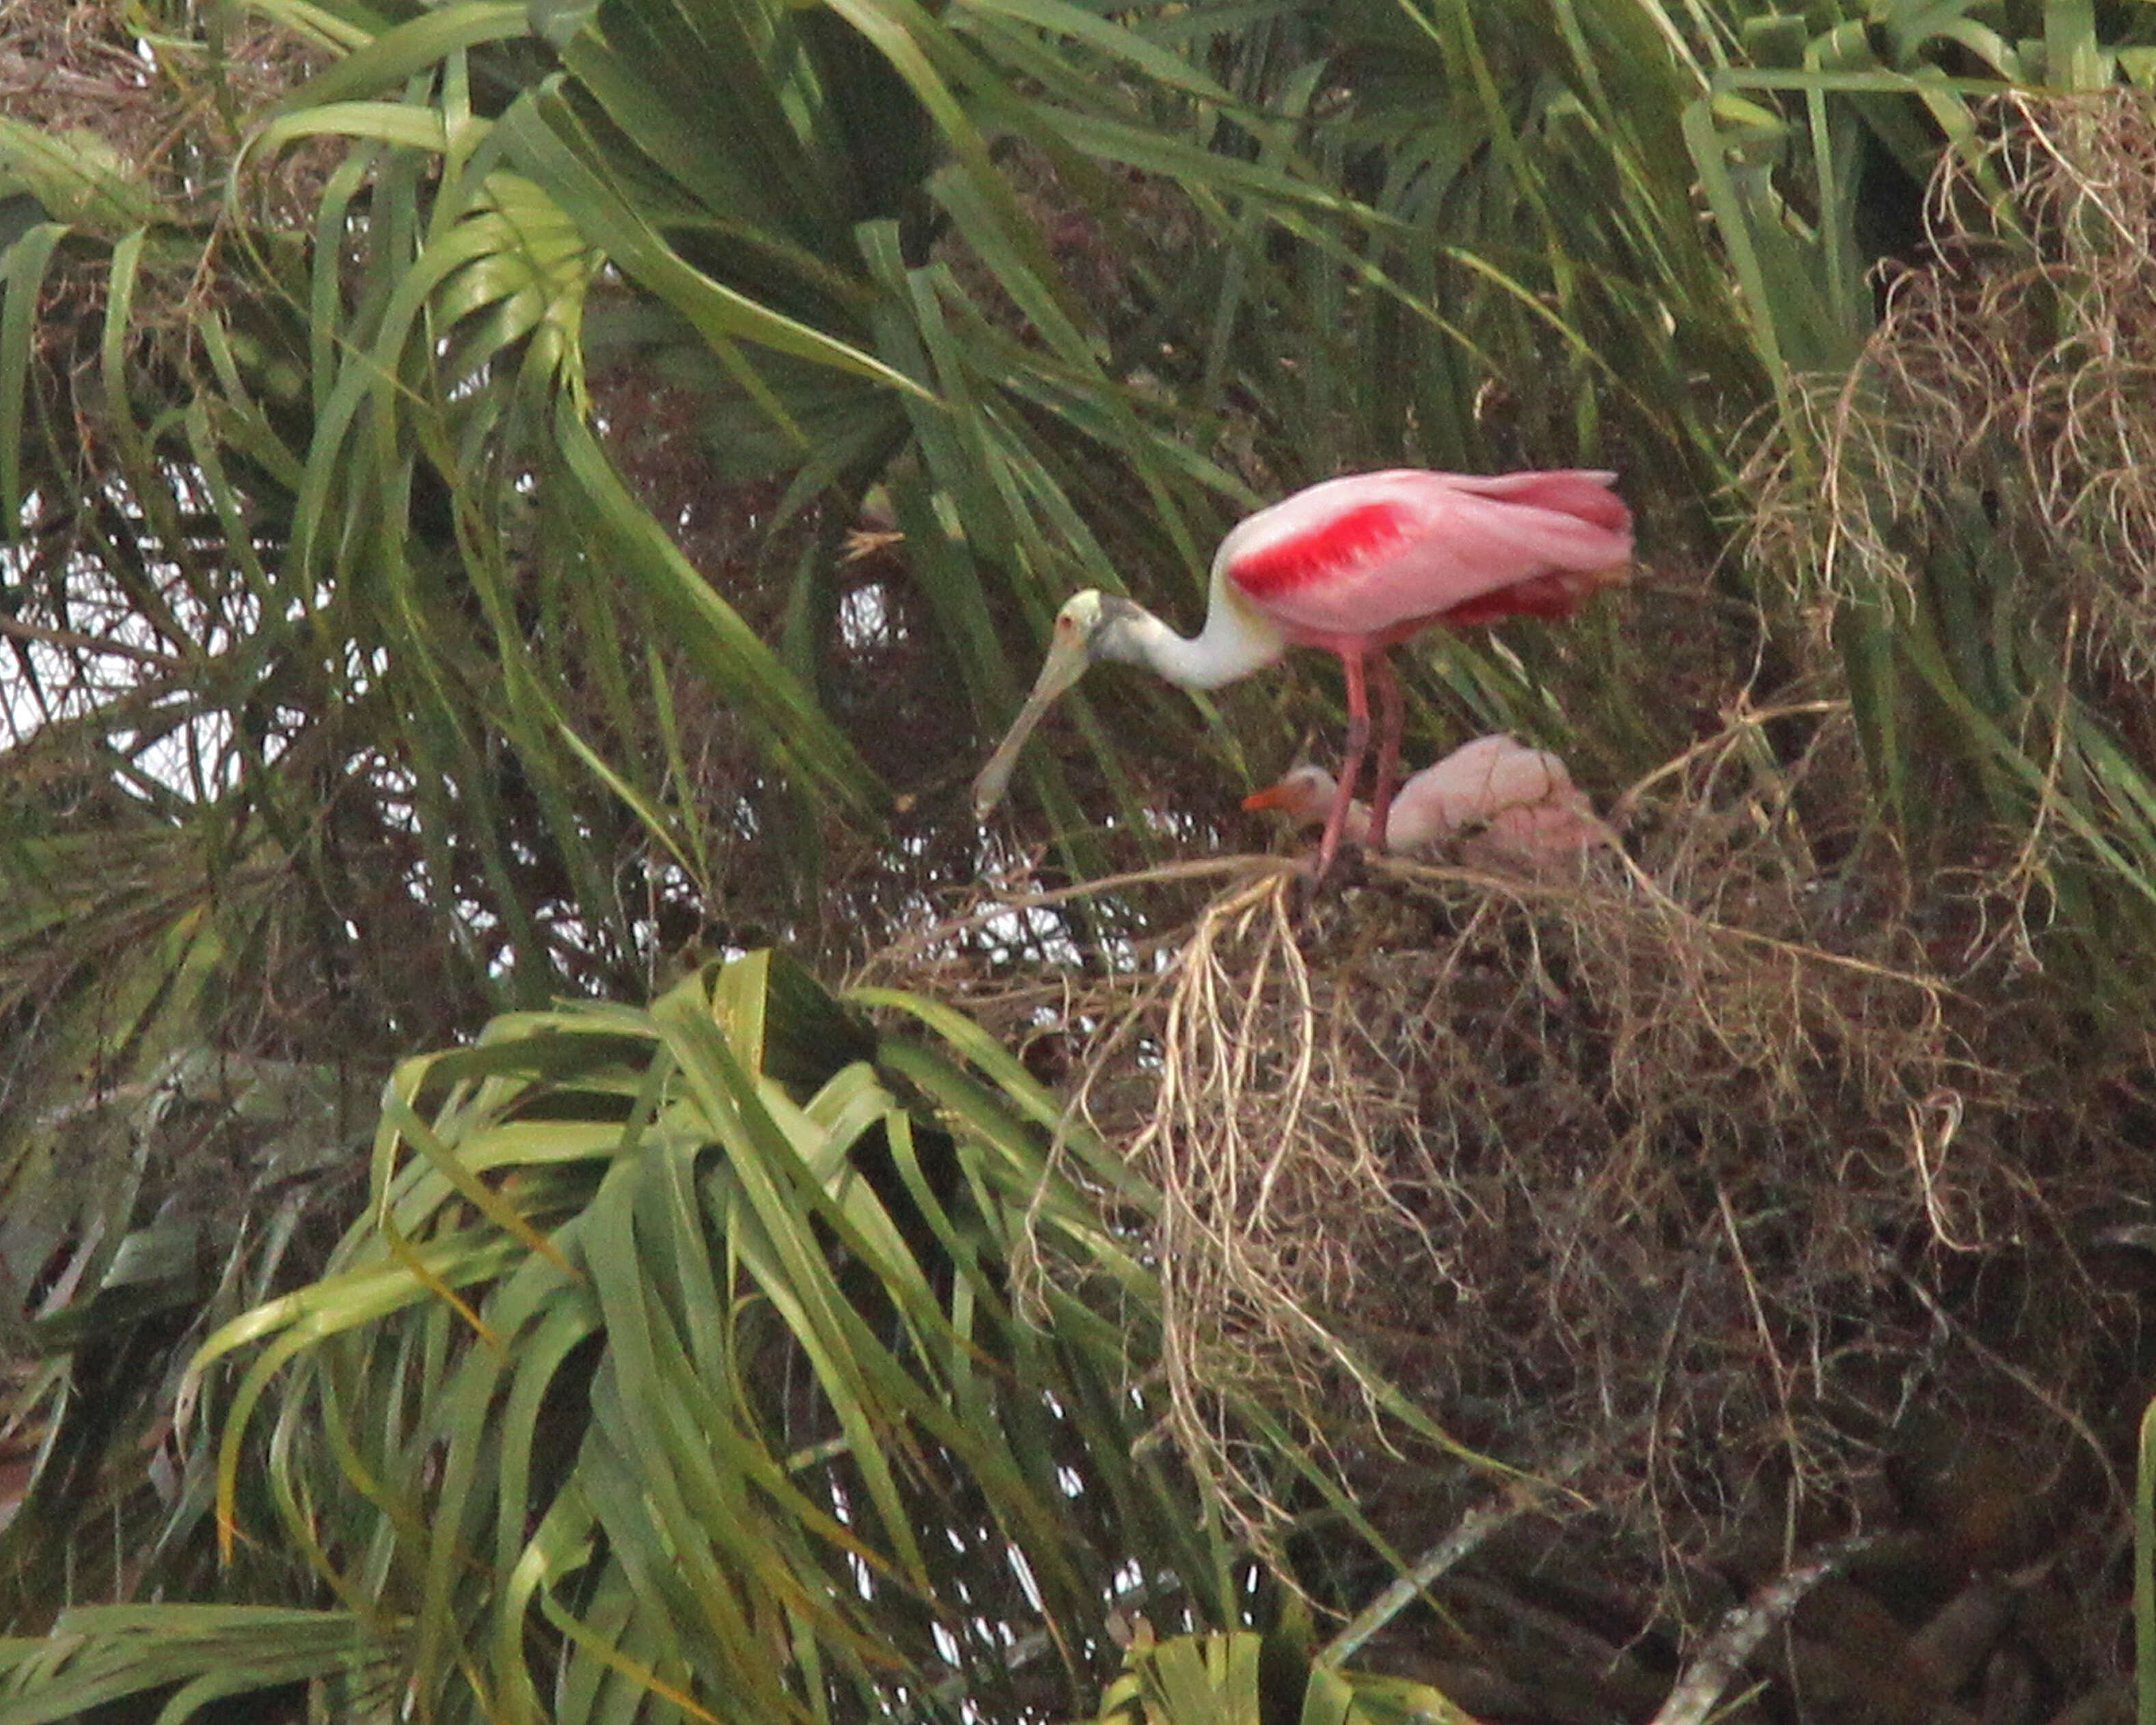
(1087, 629)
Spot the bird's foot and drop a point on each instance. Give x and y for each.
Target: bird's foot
(1317, 880)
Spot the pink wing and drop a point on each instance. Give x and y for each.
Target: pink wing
(1376, 555)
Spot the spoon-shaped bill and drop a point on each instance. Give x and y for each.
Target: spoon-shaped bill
(1304, 795)
(1066, 662)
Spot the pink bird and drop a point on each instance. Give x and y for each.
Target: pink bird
(1523, 799)
(1353, 565)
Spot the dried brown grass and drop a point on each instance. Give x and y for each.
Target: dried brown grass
(1727, 1160)
(1492, 1138)
(2016, 361)
(173, 115)
(70, 66)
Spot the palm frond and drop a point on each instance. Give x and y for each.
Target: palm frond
(680, 1350)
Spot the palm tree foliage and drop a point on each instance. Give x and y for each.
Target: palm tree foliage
(361, 687)
(677, 1357)
(1245, 1675)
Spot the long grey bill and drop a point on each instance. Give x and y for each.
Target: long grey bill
(1065, 664)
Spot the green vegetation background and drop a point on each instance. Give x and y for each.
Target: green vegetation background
(515, 505)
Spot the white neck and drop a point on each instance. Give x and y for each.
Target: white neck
(1235, 641)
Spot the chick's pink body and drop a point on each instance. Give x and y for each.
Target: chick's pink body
(1522, 798)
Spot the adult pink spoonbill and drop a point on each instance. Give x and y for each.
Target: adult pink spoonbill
(1353, 565)
(1523, 798)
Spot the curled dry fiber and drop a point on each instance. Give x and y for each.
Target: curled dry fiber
(1702, 1179)
(2007, 384)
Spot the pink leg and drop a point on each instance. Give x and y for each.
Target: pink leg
(1351, 765)
(1392, 715)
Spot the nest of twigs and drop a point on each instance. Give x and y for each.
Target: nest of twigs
(1641, 1144)
(1717, 1177)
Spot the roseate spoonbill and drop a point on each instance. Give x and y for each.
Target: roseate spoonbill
(1353, 565)
(1524, 798)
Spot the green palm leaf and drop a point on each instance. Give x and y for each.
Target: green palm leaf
(678, 1351)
